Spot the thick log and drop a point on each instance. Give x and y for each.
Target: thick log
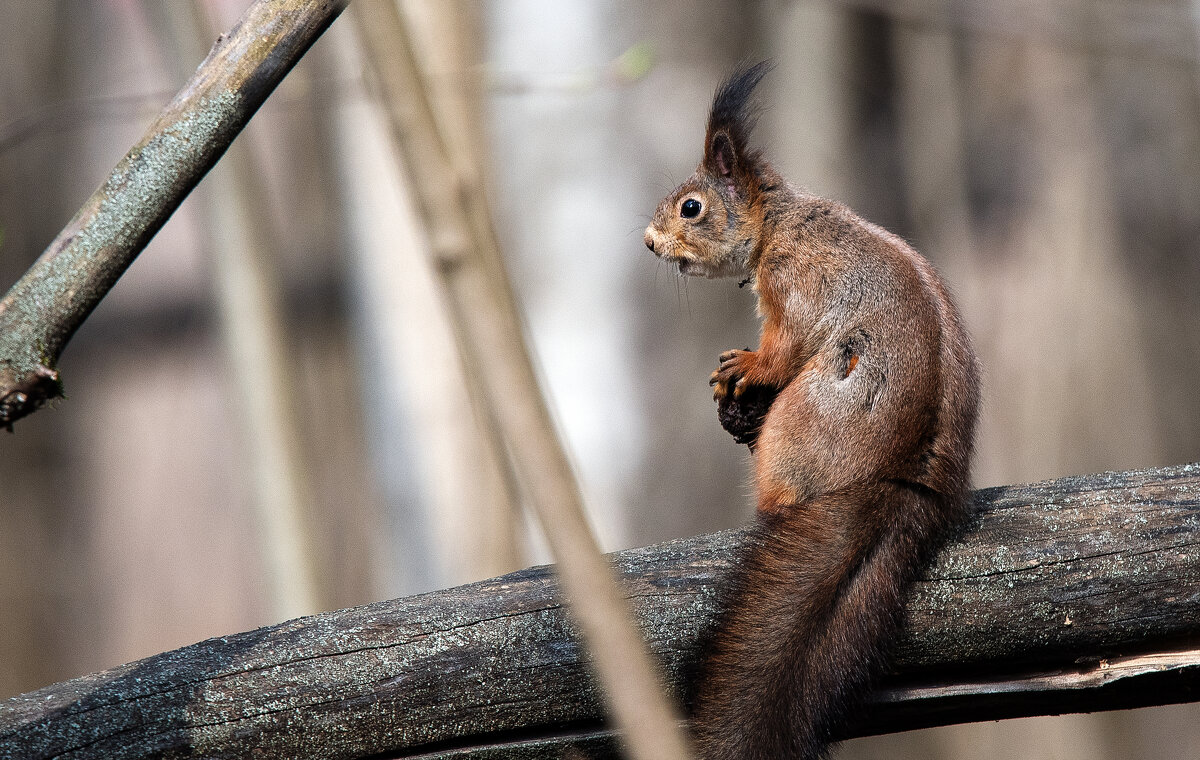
(1070, 595)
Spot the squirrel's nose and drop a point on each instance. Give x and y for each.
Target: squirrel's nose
(649, 240)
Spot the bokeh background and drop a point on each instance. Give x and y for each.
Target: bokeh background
(1044, 154)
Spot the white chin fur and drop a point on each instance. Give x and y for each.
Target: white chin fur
(693, 268)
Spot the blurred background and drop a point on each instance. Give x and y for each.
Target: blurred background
(278, 368)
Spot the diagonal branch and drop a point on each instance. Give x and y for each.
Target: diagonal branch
(490, 335)
(41, 312)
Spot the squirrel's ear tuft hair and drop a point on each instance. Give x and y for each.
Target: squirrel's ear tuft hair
(726, 141)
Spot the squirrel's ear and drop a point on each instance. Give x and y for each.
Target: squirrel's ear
(721, 157)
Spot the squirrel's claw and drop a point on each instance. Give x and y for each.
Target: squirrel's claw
(720, 387)
(739, 388)
(729, 379)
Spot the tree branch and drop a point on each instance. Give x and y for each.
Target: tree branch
(41, 312)
(1071, 595)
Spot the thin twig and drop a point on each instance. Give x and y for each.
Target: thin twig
(491, 337)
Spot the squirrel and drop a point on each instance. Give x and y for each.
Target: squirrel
(859, 406)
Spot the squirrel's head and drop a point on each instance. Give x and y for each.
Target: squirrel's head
(710, 224)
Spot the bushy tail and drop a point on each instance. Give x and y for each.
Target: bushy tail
(817, 599)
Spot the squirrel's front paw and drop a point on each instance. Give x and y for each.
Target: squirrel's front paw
(729, 379)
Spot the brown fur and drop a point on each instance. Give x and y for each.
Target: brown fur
(862, 460)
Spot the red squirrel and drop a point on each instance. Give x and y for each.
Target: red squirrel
(861, 460)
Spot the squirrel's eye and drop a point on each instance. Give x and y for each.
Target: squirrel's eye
(690, 208)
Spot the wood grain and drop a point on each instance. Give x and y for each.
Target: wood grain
(1075, 594)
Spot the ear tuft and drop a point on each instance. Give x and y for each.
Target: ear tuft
(726, 146)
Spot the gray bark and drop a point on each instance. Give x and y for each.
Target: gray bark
(1072, 595)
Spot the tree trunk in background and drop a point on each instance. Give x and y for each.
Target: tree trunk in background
(689, 477)
(35, 512)
(250, 302)
(929, 115)
(287, 148)
(1067, 369)
(1149, 123)
(450, 516)
(809, 127)
(481, 529)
